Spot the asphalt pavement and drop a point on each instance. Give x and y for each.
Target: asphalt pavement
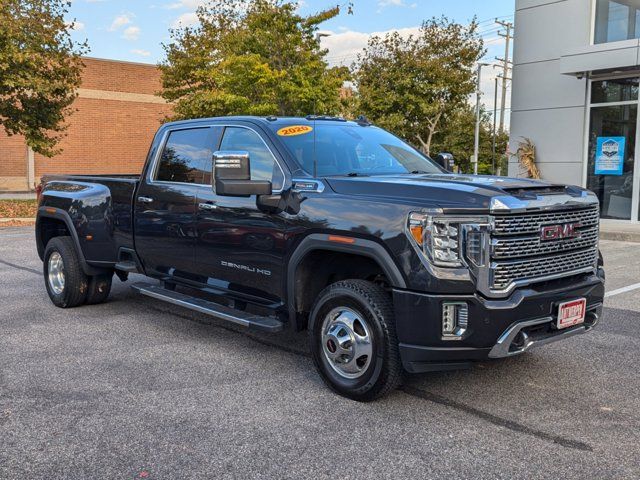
(135, 388)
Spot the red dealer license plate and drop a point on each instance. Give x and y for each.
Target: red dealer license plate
(572, 313)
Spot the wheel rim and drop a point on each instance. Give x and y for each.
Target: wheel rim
(56, 273)
(347, 342)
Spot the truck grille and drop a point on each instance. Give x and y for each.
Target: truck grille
(518, 255)
(531, 223)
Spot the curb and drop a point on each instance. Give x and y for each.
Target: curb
(633, 237)
(20, 221)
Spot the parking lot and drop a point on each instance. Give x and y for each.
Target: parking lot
(135, 388)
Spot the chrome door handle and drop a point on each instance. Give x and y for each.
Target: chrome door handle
(207, 206)
(145, 200)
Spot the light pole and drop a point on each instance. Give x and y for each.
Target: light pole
(476, 148)
(493, 141)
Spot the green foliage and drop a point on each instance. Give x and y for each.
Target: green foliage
(408, 85)
(250, 57)
(40, 70)
(457, 136)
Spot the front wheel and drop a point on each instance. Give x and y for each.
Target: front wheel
(64, 278)
(353, 340)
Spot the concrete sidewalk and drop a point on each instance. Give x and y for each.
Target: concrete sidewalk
(621, 231)
(17, 196)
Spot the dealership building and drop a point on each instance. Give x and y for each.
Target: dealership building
(116, 115)
(576, 76)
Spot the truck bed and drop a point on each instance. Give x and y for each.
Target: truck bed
(100, 206)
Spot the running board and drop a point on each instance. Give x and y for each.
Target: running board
(128, 266)
(221, 312)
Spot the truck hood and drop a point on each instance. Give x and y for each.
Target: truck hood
(454, 191)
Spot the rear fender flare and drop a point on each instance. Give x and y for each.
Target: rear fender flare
(61, 215)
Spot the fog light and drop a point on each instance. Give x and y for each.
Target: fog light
(455, 318)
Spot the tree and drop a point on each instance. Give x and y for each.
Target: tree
(40, 69)
(408, 85)
(457, 135)
(253, 57)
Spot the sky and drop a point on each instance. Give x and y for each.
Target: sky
(134, 30)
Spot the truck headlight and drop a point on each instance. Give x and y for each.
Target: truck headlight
(450, 241)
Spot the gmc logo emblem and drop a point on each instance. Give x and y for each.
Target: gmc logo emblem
(559, 232)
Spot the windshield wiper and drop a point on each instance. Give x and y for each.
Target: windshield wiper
(419, 172)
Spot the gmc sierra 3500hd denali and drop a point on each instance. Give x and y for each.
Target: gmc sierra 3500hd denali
(388, 260)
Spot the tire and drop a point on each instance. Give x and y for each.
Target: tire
(99, 288)
(346, 314)
(64, 278)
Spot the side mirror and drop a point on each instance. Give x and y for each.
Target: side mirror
(445, 160)
(232, 175)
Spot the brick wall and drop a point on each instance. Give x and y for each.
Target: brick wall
(13, 162)
(116, 118)
(120, 76)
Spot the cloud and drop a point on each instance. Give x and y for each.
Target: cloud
(120, 21)
(142, 53)
(190, 4)
(185, 20)
(345, 46)
(131, 33)
(391, 3)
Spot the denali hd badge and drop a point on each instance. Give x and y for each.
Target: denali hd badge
(559, 232)
(246, 268)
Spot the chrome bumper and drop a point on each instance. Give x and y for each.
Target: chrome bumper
(502, 348)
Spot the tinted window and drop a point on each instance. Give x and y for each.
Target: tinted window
(349, 149)
(263, 165)
(621, 90)
(185, 155)
(216, 135)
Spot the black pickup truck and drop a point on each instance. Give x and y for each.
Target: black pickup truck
(390, 262)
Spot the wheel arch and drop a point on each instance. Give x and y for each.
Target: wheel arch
(54, 222)
(363, 255)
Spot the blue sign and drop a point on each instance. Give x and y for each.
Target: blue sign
(610, 155)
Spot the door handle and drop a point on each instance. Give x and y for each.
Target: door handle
(207, 206)
(145, 200)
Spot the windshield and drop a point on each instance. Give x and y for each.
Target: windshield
(352, 150)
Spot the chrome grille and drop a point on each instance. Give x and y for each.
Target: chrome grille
(532, 246)
(531, 223)
(519, 256)
(506, 273)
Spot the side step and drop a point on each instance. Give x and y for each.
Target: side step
(127, 266)
(244, 319)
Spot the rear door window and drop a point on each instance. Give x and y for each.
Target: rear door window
(185, 156)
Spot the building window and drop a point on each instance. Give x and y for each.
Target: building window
(617, 20)
(612, 140)
(619, 90)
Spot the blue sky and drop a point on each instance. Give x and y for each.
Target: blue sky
(133, 30)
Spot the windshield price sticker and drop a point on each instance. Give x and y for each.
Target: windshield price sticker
(294, 130)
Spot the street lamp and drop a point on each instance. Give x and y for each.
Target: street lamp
(476, 148)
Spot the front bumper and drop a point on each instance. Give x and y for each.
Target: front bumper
(496, 328)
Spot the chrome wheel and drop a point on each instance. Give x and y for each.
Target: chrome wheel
(55, 272)
(346, 342)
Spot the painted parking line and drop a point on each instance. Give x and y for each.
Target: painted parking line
(629, 288)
